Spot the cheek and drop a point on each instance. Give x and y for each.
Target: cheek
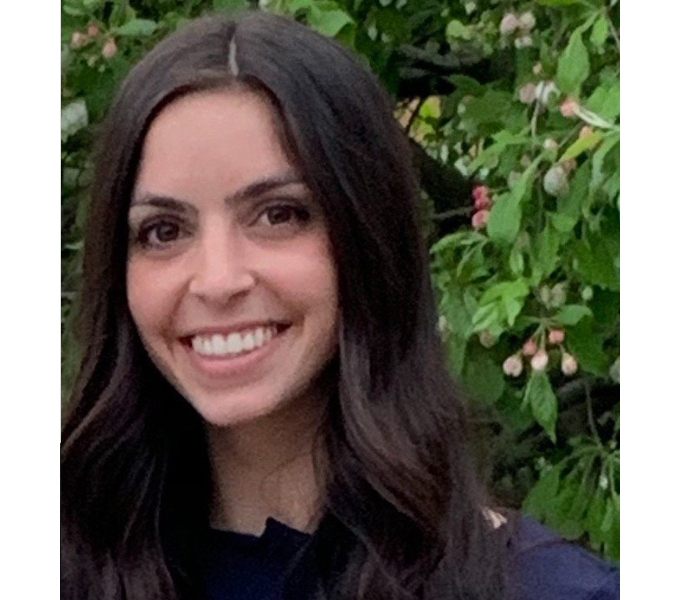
(148, 296)
(310, 278)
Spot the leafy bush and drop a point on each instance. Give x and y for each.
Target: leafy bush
(512, 110)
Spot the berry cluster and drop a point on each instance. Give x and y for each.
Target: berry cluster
(80, 39)
(519, 27)
(483, 204)
(538, 356)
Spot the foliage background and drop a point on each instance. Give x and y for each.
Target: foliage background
(518, 101)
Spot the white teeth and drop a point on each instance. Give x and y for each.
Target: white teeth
(233, 344)
(248, 341)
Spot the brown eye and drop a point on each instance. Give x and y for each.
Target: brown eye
(159, 234)
(282, 214)
(163, 233)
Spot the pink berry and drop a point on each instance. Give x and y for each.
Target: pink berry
(527, 21)
(480, 219)
(550, 144)
(556, 336)
(529, 348)
(527, 93)
(92, 30)
(109, 50)
(569, 165)
(569, 364)
(568, 108)
(483, 203)
(555, 181)
(78, 39)
(480, 191)
(539, 360)
(487, 339)
(508, 24)
(512, 366)
(523, 42)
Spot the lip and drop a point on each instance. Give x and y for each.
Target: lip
(224, 368)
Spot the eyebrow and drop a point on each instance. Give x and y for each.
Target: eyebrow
(254, 189)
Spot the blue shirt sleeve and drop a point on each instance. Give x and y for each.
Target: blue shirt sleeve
(549, 568)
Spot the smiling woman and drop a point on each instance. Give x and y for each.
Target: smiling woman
(263, 409)
(232, 288)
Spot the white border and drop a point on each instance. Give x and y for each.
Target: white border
(30, 270)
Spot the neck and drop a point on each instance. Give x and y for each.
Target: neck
(265, 468)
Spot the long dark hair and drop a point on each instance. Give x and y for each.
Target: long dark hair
(404, 510)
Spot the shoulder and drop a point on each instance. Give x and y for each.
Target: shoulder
(546, 567)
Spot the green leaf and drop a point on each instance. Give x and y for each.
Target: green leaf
(572, 314)
(544, 254)
(605, 101)
(596, 263)
(506, 213)
(328, 22)
(505, 219)
(571, 205)
(453, 308)
(483, 378)
(598, 35)
(292, 6)
(587, 346)
(505, 289)
(502, 140)
(562, 223)
(500, 303)
(558, 2)
(73, 11)
(595, 517)
(541, 397)
(573, 66)
(539, 501)
(229, 5)
(492, 107)
(466, 84)
(137, 27)
(581, 145)
(513, 307)
(516, 261)
(457, 30)
(456, 349)
(486, 316)
(599, 157)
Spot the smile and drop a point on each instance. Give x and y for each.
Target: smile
(235, 343)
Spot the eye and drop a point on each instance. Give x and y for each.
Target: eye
(283, 214)
(158, 233)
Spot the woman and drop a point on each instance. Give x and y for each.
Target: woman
(263, 409)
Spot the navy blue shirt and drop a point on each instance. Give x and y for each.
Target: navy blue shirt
(248, 567)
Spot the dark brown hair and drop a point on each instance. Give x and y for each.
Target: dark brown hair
(404, 513)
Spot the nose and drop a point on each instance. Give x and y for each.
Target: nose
(221, 269)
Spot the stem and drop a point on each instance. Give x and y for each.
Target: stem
(534, 119)
(591, 419)
(612, 30)
(456, 212)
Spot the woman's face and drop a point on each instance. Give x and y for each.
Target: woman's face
(230, 278)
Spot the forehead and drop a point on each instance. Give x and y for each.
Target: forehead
(217, 139)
